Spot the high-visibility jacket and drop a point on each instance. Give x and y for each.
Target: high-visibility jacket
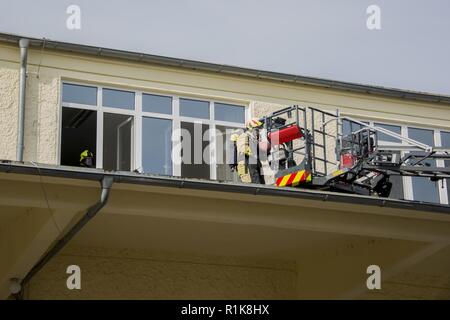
(87, 159)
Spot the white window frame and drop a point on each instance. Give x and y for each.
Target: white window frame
(138, 115)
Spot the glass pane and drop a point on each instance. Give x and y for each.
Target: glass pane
(117, 141)
(229, 112)
(422, 135)
(194, 108)
(124, 134)
(194, 141)
(79, 94)
(397, 181)
(447, 165)
(118, 99)
(423, 188)
(384, 137)
(224, 154)
(349, 127)
(79, 133)
(445, 139)
(157, 146)
(445, 142)
(158, 104)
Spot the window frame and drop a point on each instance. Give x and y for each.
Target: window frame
(138, 114)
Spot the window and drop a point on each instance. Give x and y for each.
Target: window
(445, 139)
(229, 112)
(224, 154)
(349, 127)
(117, 141)
(118, 99)
(422, 135)
(73, 93)
(157, 145)
(78, 133)
(155, 103)
(194, 108)
(382, 137)
(133, 130)
(195, 140)
(423, 188)
(397, 191)
(445, 142)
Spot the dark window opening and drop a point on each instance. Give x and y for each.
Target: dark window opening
(397, 187)
(79, 133)
(193, 149)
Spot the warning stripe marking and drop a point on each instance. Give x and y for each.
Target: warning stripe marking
(297, 179)
(284, 180)
(291, 178)
(294, 179)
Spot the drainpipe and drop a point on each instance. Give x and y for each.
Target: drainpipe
(23, 44)
(107, 182)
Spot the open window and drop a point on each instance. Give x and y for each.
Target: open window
(117, 142)
(79, 133)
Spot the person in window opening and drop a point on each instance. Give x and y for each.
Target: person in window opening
(246, 153)
(87, 159)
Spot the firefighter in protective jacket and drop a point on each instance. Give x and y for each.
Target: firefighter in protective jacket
(247, 153)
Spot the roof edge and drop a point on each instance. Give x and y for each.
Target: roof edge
(8, 166)
(230, 70)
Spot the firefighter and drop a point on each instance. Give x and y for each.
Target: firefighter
(248, 167)
(87, 159)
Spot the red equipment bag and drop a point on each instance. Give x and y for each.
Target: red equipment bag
(348, 160)
(285, 135)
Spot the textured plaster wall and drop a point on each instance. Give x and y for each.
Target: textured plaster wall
(9, 102)
(41, 120)
(129, 274)
(41, 116)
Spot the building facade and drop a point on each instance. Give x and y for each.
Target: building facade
(158, 242)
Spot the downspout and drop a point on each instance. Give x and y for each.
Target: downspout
(23, 44)
(106, 182)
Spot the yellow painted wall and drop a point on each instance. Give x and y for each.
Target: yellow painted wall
(48, 68)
